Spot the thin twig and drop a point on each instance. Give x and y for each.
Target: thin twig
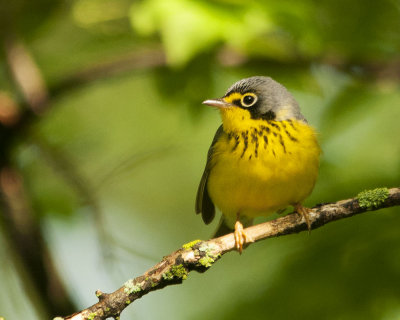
(200, 255)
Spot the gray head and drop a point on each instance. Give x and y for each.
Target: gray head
(263, 97)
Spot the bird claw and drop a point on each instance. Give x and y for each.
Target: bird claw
(241, 236)
(305, 213)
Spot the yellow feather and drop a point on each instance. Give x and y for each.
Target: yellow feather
(261, 166)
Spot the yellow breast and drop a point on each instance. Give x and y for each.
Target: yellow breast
(264, 167)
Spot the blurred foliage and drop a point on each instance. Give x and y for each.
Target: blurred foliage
(111, 169)
(285, 30)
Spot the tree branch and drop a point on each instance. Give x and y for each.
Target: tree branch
(200, 255)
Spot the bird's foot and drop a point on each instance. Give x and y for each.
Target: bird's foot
(305, 213)
(241, 236)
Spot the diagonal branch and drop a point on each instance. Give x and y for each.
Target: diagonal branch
(200, 255)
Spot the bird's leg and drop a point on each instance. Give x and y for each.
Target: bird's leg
(241, 237)
(305, 213)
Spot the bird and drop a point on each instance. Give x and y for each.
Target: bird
(263, 159)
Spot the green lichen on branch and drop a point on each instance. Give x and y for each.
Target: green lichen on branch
(209, 256)
(370, 199)
(190, 244)
(153, 284)
(150, 282)
(206, 261)
(130, 287)
(176, 272)
(92, 316)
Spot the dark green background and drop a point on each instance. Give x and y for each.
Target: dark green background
(136, 141)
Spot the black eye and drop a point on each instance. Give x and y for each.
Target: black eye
(249, 99)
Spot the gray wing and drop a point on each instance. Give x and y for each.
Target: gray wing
(204, 204)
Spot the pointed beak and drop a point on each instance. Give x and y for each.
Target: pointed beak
(219, 103)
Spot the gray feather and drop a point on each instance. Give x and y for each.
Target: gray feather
(273, 95)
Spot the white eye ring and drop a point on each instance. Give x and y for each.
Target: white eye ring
(248, 100)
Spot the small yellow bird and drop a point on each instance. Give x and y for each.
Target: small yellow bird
(263, 158)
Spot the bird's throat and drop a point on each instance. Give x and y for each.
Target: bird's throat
(236, 119)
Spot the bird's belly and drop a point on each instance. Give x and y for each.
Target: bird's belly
(249, 185)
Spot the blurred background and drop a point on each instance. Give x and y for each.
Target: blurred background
(103, 140)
